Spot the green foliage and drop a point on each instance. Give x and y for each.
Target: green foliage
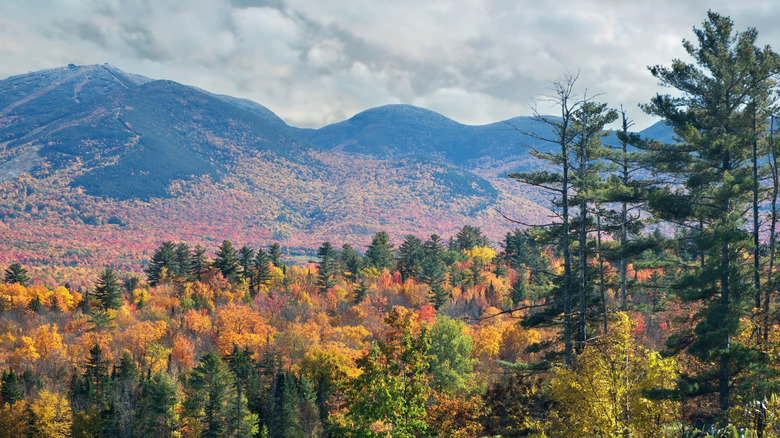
(450, 364)
(16, 273)
(380, 251)
(226, 260)
(108, 294)
(156, 415)
(326, 268)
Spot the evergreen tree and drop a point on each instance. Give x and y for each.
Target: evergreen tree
(262, 269)
(155, 415)
(16, 274)
(108, 294)
(227, 260)
(207, 393)
(350, 262)
(714, 120)
(433, 247)
(275, 253)
(360, 290)
(284, 423)
(379, 253)
(199, 262)
(410, 256)
(245, 257)
(184, 262)
(558, 182)
(163, 257)
(10, 392)
(326, 267)
(467, 238)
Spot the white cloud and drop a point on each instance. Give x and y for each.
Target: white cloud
(313, 62)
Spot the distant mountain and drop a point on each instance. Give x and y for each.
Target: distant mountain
(399, 130)
(99, 166)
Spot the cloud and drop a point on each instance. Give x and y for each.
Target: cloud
(315, 63)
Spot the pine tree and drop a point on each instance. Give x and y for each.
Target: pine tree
(184, 262)
(10, 392)
(326, 267)
(262, 270)
(275, 253)
(16, 274)
(379, 253)
(207, 395)
(164, 257)
(227, 260)
(467, 238)
(108, 294)
(410, 256)
(155, 415)
(245, 257)
(284, 423)
(199, 262)
(715, 123)
(558, 182)
(350, 262)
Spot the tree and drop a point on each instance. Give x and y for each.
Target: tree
(468, 237)
(226, 260)
(326, 268)
(163, 257)
(275, 253)
(184, 262)
(207, 394)
(450, 351)
(245, 257)
(10, 392)
(388, 397)
(589, 122)
(50, 416)
(350, 262)
(16, 274)
(155, 415)
(284, 422)
(559, 183)
(108, 294)
(379, 253)
(199, 262)
(262, 270)
(410, 256)
(714, 120)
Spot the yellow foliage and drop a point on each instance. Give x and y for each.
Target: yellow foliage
(484, 254)
(50, 415)
(514, 340)
(487, 342)
(602, 393)
(47, 341)
(12, 419)
(24, 353)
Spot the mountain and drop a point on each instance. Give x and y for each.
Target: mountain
(98, 166)
(399, 130)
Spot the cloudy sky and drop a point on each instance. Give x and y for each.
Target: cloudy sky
(316, 62)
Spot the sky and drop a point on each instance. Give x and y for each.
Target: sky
(315, 62)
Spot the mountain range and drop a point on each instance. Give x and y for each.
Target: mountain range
(100, 165)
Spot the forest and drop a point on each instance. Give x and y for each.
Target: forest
(646, 307)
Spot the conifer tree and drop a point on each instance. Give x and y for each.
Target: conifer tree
(275, 253)
(284, 423)
(558, 182)
(16, 274)
(715, 123)
(262, 269)
(155, 415)
(379, 253)
(245, 257)
(184, 262)
(199, 262)
(10, 391)
(207, 394)
(108, 294)
(227, 260)
(164, 257)
(326, 268)
(350, 262)
(410, 256)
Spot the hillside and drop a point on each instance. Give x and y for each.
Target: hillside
(98, 166)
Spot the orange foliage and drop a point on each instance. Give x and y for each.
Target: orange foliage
(241, 326)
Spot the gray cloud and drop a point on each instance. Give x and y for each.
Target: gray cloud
(315, 63)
